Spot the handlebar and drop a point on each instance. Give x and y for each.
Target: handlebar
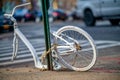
(8, 15)
(19, 6)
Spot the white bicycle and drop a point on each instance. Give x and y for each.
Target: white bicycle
(73, 47)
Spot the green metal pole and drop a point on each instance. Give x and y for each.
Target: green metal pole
(45, 6)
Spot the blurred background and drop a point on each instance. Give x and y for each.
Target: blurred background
(89, 11)
(60, 9)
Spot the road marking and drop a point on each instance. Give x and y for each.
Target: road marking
(16, 61)
(20, 56)
(110, 44)
(25, 56)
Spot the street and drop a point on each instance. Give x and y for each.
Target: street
(106, 38)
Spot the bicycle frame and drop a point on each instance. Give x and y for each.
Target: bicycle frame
(19, 34)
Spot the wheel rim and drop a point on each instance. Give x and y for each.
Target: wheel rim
(82, 59)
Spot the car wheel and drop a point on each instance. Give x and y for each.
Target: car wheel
(114, 22)
(89, 18)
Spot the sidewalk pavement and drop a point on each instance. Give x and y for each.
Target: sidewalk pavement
(35, 74)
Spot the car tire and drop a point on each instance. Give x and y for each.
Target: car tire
(114, 22)
(89, 19)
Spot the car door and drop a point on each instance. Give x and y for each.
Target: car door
(117, 7)
(110, 7)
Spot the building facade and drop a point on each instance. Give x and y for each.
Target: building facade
(66, 4)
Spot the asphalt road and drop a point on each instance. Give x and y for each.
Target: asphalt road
(102, 31)
(106, 38)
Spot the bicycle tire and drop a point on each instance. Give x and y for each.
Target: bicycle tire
(86, 44)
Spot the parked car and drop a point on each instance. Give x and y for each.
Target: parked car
(91, 10)
(33, 15)
(20, 14)
(58, 14)
(5, 24)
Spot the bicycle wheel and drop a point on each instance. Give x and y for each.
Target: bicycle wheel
(75, 48)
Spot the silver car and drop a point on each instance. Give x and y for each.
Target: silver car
(91, 10)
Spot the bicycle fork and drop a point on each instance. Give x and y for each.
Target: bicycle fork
(15, 46)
